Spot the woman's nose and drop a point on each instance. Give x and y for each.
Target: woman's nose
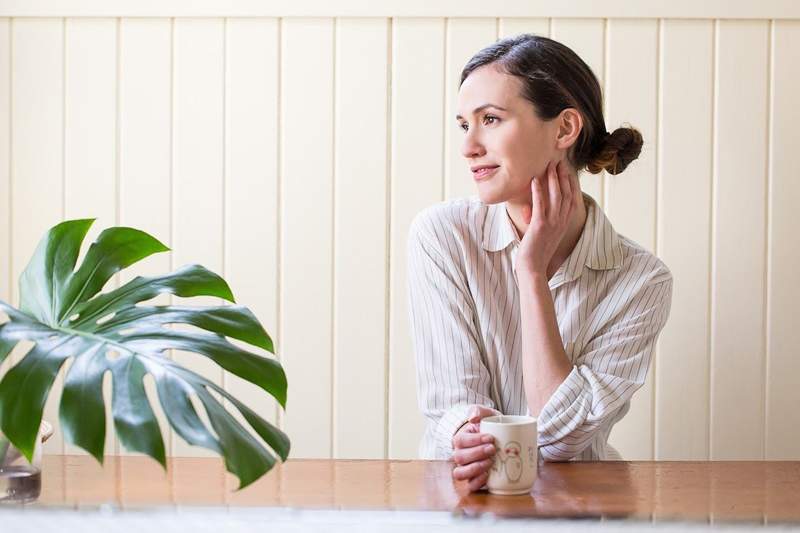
(471, 147)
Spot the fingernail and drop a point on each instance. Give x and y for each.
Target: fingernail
(489, 448)
(487, 439)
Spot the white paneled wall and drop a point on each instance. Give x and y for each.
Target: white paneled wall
(307, 230)
(685, 138)
(360, 237)
(783, 246)
(290, 154)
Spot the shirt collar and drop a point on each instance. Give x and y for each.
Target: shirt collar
(598, 248)
(498, 230)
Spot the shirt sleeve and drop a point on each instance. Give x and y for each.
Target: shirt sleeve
(451, 376)
(612, 366)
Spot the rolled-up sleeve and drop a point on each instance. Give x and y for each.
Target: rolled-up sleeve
(451, 376)
(611, 367)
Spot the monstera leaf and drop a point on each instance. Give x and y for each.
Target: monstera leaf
(64, 314)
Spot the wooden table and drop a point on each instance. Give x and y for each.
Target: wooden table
(761, 492)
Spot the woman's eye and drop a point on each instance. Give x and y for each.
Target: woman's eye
(490, 119)
(464, 126)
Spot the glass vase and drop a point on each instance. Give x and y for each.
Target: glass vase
(20, 479)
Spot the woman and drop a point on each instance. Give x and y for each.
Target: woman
(525, 300)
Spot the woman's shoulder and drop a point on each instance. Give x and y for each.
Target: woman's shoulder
(638, 258)
(457, 219)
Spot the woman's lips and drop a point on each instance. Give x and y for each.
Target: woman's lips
(484, 173)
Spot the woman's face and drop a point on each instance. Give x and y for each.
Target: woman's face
(503, 136)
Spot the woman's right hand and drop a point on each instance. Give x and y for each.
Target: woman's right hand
(473, 452)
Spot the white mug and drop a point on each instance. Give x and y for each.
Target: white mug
(516, 455)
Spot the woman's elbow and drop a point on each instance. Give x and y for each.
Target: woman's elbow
(563, 450)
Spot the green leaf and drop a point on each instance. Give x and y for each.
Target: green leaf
(22, 326)
(191, 280)
(173, 393)
(4, 445)
(66, 316)
(276, 438)
(82, 413)
(24, 390)
(134, 419)
(244, 457)
(114, 249)
(233, 321)
(262, 371)
(42, 282)
(6, 345)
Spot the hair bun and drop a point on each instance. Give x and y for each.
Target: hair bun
(616, 151)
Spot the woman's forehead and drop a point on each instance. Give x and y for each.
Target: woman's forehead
(487, 85)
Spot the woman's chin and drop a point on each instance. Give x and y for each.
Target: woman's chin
(491, 195)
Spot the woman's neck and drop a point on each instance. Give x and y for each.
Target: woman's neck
(568, 242)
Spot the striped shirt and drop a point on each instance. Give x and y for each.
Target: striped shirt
(611, 297)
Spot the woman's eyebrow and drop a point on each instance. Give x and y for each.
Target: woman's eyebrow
(482, 107)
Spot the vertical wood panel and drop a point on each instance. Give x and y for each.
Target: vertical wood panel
(360, 241)
(90, 122)
(465, 37)
(251, 184)
(6, 280)
(417, 88)
(683, 237)
(37, 170)
(514, 26)
(737, 358)
(586, 37)
(630, 197)
(198, 160)
(306, 240)
(5, 160)
(144, 115)
(783, 395)
(90, 142)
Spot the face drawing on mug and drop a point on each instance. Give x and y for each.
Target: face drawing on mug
(513, 461)
(508, 458)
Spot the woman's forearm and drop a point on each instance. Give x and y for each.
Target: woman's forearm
(545, 364)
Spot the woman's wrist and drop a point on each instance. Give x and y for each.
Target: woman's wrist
(531, 276)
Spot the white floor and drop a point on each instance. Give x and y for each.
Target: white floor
(104, 520)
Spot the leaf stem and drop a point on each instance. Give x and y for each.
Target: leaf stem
(4, 444)
(97, 338)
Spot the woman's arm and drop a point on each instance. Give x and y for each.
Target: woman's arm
(610, 368)
(545, 364)
(573, 402)
(554, 198)
(451, 376)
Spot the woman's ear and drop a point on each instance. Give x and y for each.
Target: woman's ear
(570, 124)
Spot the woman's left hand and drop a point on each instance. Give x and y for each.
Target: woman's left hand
(554, 197)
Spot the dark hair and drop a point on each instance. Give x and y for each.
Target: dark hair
(554, 78)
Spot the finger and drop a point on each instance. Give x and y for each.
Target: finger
(465, 456)
(479, 412)
(477, 483)
(469, 440)
(472, 470)
(472, 427)
(543, 179)
(554, 211)
(537, 200)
